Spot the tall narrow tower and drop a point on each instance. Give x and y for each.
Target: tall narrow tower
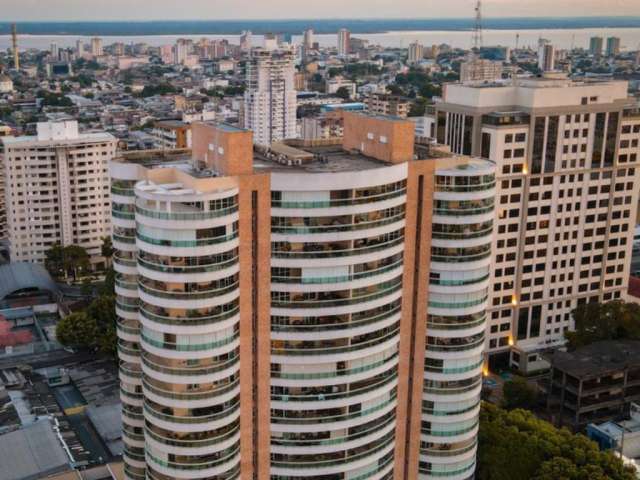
(477, 29)
(14, 39)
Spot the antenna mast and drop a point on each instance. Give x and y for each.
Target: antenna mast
(477, 30)
(14, 39)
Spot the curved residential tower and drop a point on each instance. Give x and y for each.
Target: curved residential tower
(302, 312)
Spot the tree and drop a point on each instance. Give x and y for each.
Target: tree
(78, 330)
(515, 445)
(343, 93)
(106, 249)
(86, 288)
(103, 311)
(64, 261)
(108, 288)
(615, 320)
(94, 329)
(76, 259)
(519, 394)
(395, 89)
(54, 260)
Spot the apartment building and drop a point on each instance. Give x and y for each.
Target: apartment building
(480, 70)
(333, 84)
(595, 383)
(566, 156)
(388, 104)
(325, 127)
(303, 319)
(596, 45)
(270, 99)
(171, 134)
(613, 46)
(57, 190)
(415, 53)
(546, 55)
(344, 42)
(96, 47)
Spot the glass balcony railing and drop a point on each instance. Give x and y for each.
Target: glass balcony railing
(337, 228)
(338, 279)
(188, 321)
(184, 419)
(339, 202)
(338, 373)
(213, 393)
(223, 212)
(308, 419)
(334, 253)
(202, 242)
(467, 304)
(188, 347)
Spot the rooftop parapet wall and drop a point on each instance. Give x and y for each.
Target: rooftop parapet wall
(227, 150)
(388, 139)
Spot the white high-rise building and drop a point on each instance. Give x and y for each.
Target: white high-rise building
(566, 197)
(270, 100)
(96, 47)
(245, 41)
(546, 55)
(57, 190)
(416, 53)
(344, 42)
(55, 53)
(307, 41)
(79, 48)
(182, 51)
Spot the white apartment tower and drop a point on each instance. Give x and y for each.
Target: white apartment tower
(245, 41)
(416, 53)
(96, 47)
(566, 155)
(546, 55)
(79, 48)
(344, 42)
(307, 41)
(182, 50)
(57, 190)
(270, 99)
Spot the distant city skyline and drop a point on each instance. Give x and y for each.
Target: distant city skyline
(61, 10)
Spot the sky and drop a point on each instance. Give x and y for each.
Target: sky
(103, 10)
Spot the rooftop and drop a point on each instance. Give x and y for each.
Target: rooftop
(599, 358)
(28, 140)
(326, 159)
(155, 158)
(18, 276)
(31, 453)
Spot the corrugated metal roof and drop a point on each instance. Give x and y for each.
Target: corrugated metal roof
(31, 453)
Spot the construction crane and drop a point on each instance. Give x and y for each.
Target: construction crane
(14, 39)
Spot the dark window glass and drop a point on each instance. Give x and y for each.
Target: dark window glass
(523, 321)
(486, 145)
(538, 143)
(467, 135)
(552, 143)
(598, 140)
(612, 135)
(536, 312)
